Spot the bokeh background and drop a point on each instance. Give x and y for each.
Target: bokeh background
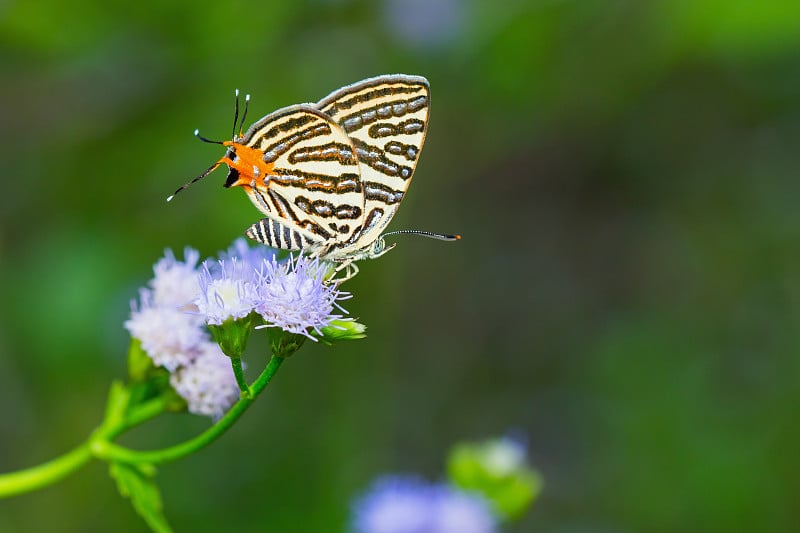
(624, 174)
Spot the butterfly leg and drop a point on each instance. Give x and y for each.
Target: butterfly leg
(350, 271)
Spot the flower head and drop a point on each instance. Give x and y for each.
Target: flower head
(175, 282)
(398, 504)
(295, 297)
(170, 336)
(207, 383)
(227, 291)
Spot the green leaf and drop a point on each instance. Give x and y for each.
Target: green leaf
(137, 483)
(146, 380)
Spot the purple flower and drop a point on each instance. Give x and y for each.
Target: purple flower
(175, 282)
(398, 504)
(170, 336)
(207, 383)
(426, 24)
(227, 290)
(462, 512)
(295, 297)
(183, 306)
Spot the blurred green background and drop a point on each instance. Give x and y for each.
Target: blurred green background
(626, 293)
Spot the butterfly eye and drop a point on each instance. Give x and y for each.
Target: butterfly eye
(378, 246)
(233, 177)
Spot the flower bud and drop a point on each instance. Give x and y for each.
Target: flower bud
(342, 330)
(284, 343)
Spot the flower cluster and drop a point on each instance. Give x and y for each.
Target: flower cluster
(185, 303)
(171, 332)
(401, 504)
(161, 321)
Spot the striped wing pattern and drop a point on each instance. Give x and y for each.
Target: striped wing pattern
(386, 118)
(338, 170)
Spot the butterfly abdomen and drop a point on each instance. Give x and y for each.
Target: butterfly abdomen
(277, 235)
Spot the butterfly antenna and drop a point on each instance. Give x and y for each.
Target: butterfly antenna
(244, 115)
(197, 134)
(429, 234)
(235, 114)
(205, 173)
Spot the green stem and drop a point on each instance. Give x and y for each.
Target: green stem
(113, 452)
(138, 415)
(99, 445)
(23, 481)
(238, 372)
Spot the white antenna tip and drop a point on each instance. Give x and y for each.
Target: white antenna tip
(170, 197)
(237, 92)
(247, 98)
(197, 132)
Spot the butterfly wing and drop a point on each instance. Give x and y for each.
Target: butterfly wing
(312, 186)
(386, 119)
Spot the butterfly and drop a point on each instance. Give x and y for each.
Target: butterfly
(329, 176)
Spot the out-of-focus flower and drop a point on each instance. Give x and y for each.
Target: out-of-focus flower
(207, 383)
(401, 504)
(462, 512)
(425, 24)
(170, 336)
(504, 456)
(294, 296)
(253, 256)
(175, 282)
